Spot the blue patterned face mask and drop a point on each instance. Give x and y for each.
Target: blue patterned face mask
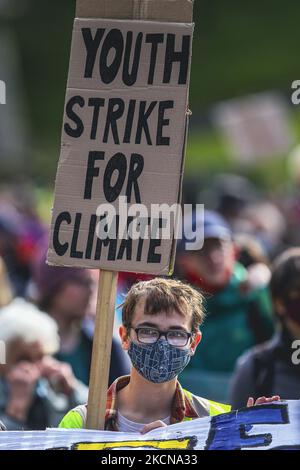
(159, 362)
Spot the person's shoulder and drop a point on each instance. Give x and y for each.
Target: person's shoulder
(74, 419)
(205, 407)
(257, 352)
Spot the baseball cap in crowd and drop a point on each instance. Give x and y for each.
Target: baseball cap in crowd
(203, 225)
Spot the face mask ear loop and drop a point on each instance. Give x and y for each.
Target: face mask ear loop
(192, 353)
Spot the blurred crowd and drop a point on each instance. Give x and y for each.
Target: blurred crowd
(46, 322)
(248, 270)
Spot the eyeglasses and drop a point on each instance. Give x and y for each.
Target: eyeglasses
(177, 338)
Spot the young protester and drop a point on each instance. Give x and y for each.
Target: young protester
(160, 332)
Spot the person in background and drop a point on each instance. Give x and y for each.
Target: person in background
(11, 234)
(265, 221)
(274, 366)
(289, 197)
(65, 294)
(35, 389)
(228, 194)
(252, 256)
(238, 314)
(21, 233)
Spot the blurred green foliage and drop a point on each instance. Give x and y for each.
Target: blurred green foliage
(239, 48)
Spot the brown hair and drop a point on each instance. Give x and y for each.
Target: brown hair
(164, 295)
(285, 273)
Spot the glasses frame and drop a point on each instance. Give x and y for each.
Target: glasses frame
(160, 334)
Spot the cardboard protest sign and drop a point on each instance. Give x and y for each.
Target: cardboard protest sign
(264, 427)
(180, 11)
(123, 142)
(256, 127)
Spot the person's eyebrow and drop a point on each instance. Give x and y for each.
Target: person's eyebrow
(147, 323)
(178, 328)
(153, 325)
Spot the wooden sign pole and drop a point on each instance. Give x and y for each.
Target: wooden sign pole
(105, 314)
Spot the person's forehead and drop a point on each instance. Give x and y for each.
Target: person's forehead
(31, 346)
(212, 241)
(209, 243)
(27, 349)
(161, 319)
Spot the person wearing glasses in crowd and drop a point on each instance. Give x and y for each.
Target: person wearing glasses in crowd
(160, 332)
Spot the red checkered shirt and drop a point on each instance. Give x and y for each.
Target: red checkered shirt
(181, 407)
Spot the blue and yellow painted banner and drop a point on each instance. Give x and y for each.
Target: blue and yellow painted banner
(264, 427)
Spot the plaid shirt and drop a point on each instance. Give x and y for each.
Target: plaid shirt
(181, 407)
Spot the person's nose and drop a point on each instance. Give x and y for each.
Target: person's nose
(216, 255)
(162, 340)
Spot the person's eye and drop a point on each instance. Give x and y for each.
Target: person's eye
(148, 332)
(177, 334)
